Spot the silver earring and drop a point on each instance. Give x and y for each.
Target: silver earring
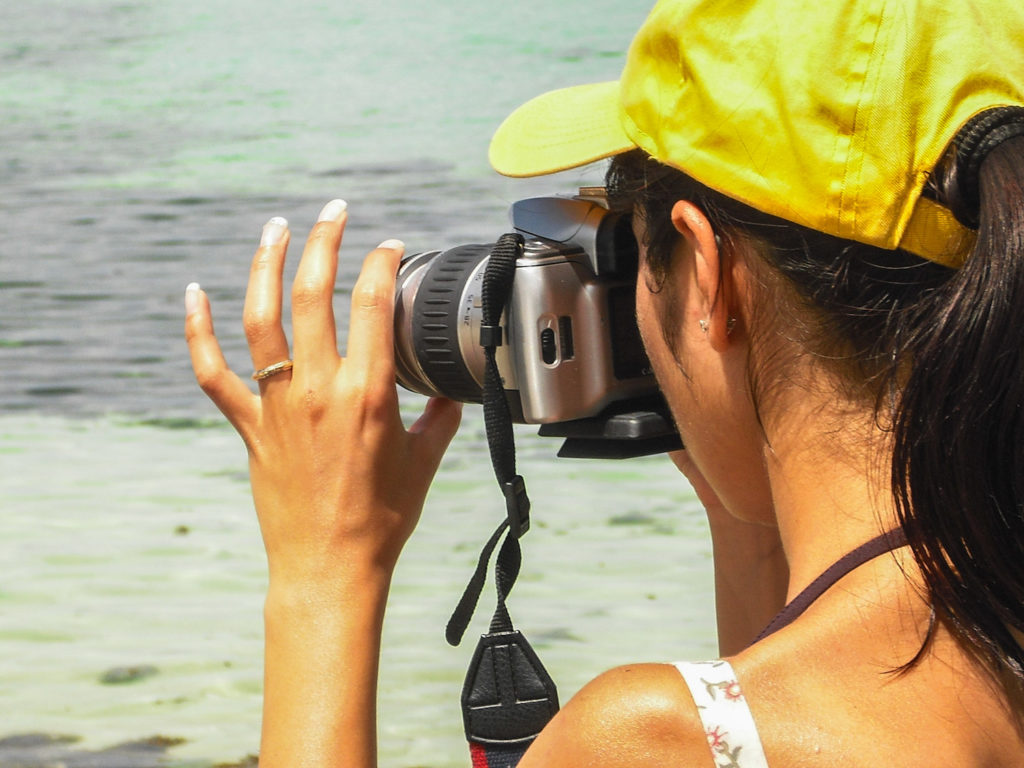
(729, 325)
(703, 325)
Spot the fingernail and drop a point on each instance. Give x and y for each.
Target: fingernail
(395, 245)
(333, 210)
(273, 231)
(191, 298)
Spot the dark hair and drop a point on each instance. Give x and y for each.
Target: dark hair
(938, 352)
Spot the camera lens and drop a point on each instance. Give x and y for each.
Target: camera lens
(437, 322)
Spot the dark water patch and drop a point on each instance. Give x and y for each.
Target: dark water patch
(84, 221)
(249, 761)
(81, 297)
(46, 750)
(16, 53)
(192, 200)
(10, 284)
(555, 635)
(34, 343)
(174, 316)
(88, 170)
(53, 391)
(176, 422)
(340, 173)
(158, 216)
(575, 55)
(386, 170)
(432, 184)
(19, 406)
(632, 518)
(168, 256)
(114, 290)
(128, 674)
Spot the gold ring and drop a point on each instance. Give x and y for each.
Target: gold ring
(272, 370)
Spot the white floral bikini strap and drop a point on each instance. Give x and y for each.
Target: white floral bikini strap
(732, 735)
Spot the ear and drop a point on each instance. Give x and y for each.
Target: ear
(709, 271)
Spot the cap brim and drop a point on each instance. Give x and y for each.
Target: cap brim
(560, 130)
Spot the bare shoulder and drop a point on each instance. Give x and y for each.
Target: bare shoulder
(638, 716)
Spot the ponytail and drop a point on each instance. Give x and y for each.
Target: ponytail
(958, 461)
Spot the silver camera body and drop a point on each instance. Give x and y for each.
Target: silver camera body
(571, 355)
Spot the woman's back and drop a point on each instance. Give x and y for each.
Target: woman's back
(829, 690)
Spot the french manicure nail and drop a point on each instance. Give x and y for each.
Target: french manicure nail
(191, 298)
(395, 245)
(273, 231)
(333, 210)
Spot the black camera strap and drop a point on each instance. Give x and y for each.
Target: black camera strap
(508, 697)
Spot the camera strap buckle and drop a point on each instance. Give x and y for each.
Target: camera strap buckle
(490, 335)
(517, 504)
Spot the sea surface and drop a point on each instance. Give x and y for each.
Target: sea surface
(142, 147)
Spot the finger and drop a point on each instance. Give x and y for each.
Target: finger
(261, 316)
(371, 331)
(228, 392)
(315, 339)
(435, 428)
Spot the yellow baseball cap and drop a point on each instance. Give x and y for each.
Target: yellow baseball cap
(826, 113)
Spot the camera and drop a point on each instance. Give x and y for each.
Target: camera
(570, 358)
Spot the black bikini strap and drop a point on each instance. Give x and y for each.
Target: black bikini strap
(879, 545)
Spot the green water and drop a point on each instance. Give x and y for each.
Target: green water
(114, 567)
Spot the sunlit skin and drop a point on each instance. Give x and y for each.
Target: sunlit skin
(704, 378)
(813, 464)
(339, 482)
(727, 443)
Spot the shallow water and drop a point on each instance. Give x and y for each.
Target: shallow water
(132, 545)
(142, 146)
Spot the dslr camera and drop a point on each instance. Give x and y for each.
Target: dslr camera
(570, 357)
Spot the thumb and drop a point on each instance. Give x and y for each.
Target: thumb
(435, 428)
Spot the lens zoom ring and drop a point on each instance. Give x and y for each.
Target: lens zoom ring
(436, 318)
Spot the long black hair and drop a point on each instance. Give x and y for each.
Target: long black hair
(938, 351)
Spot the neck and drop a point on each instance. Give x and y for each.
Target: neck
(827, 499)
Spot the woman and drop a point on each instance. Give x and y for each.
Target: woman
(829, 203)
